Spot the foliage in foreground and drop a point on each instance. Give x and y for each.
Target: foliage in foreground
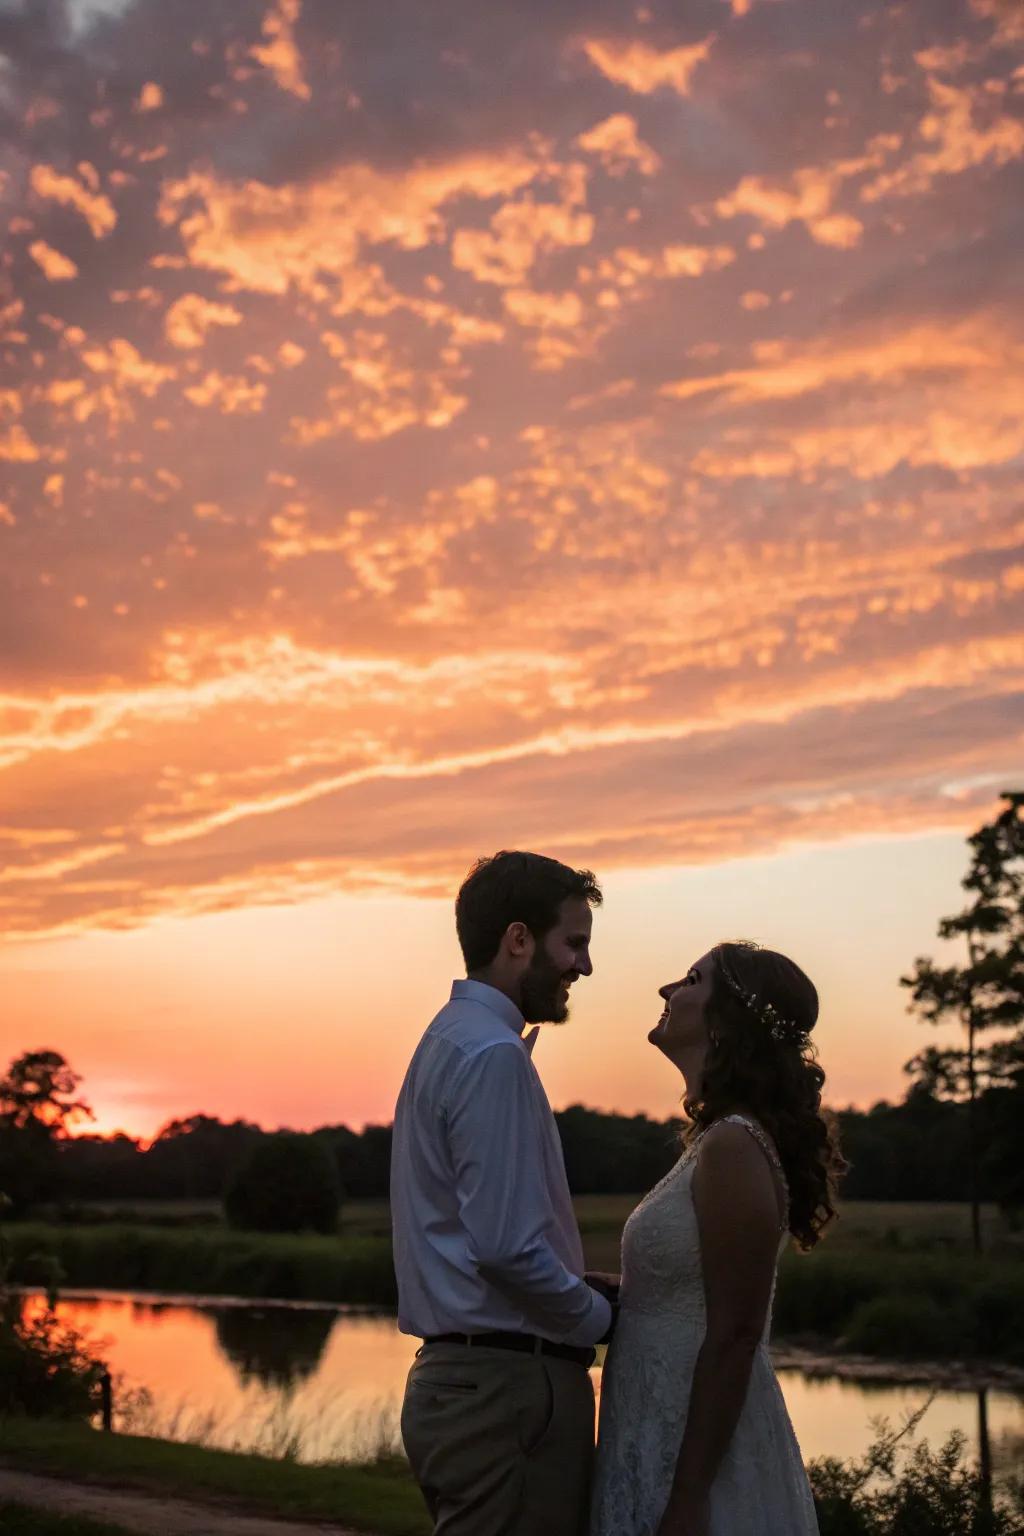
(46, 1366)
(899, 1489)
(380, 1497)
(895, 1489)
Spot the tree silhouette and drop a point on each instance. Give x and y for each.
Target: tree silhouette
(288, 1183)
(38, 1107)
(38, 1093)
(985, 994)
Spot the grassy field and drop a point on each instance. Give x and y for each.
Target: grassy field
(936, 1496)
(380, 1497)
(888, 1280)
(864, 1226)
(601, 1219)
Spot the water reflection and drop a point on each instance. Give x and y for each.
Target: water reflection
(326, 1385)
(262, 1350)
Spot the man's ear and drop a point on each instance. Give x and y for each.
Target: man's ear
(519, 941)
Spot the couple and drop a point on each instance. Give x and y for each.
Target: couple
(498, 1419)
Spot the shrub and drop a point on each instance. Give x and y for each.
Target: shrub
(47, 1369)
(899, 1490)
(907, 1326)
(287, 1183)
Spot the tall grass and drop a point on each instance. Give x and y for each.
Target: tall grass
(209, 1261)
(907, 1306)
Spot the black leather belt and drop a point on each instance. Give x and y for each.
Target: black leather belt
(524, 1343)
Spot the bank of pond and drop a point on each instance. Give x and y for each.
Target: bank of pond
(321, 1384)
(880, 1294)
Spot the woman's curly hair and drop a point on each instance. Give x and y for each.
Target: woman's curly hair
(760, 1014)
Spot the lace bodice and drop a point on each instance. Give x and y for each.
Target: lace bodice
(661, 1265)
(761, 1489)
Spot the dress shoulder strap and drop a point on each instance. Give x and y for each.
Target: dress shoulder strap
(769, 1149)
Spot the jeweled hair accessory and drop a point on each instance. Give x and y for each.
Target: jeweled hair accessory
(787, 1031)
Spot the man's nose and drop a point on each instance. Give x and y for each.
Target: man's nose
(585, 966)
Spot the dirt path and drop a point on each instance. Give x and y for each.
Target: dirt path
(150, 1514)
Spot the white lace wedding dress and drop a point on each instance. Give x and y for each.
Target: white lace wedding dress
(761, 1488)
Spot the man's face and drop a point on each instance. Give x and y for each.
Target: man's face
(559, 959)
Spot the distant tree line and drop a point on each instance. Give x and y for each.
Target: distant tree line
(958, 1134)
(914, 1150)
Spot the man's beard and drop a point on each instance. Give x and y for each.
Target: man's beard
(541, 1000)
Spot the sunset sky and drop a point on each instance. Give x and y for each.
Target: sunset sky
(432, 428)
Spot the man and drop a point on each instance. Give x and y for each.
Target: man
(498, 1420)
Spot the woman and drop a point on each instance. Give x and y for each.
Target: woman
(694, 1435)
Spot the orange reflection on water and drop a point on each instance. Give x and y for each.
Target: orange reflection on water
(328, 1385)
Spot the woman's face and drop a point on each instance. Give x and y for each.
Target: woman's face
(682, 1025)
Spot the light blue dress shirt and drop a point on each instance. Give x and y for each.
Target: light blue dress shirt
(485, 1237)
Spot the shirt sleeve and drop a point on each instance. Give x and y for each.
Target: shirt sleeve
(504, 1206)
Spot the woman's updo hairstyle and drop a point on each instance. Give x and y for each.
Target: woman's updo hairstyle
(760, 1014)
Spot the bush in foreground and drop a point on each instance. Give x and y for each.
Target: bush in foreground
(897, 1489)
(46, 1368)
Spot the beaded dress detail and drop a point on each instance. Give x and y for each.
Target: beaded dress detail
(761, 1488)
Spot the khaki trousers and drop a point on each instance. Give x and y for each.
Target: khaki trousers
(501, 1443)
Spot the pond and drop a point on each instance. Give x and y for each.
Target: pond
(326, 1383)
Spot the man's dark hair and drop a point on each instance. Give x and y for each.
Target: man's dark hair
(515, 888)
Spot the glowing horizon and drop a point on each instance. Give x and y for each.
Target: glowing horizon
(593, 431)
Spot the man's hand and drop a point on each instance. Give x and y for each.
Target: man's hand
(607, 1285)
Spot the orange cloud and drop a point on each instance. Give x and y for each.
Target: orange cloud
(978, 346)
(519, 233)
(382, 393)
(83, 196)
(960, 143)
(808, 197)
(57, 267)
(150, 98)
(125, 373)
(618, 145)
(189, 319)
(279, 53)
(232, 394)
(16, 447)
(267, 238)
(642, 68)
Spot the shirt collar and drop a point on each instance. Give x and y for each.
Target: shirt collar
(489, 997)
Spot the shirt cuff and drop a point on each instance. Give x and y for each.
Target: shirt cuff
(596, 1323)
